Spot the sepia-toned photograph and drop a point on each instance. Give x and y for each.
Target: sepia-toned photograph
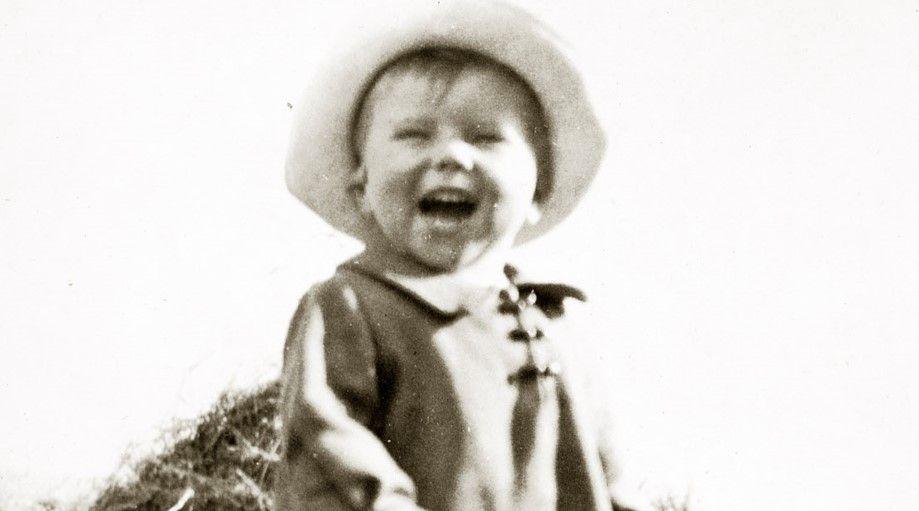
(459, 255)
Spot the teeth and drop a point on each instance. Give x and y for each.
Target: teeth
(454, 196)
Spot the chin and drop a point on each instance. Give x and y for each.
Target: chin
(442, 263)
(444, 259)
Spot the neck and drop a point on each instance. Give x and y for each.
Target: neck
(486, 270)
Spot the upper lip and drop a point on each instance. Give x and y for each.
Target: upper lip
(449, 194)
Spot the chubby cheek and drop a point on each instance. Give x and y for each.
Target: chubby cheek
(514, 182)
(387, 202)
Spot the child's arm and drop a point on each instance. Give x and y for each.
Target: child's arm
(625, 494)
(597, 384)
(332, 461)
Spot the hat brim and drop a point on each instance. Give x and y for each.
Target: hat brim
(319, 159)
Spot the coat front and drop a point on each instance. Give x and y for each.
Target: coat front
(399, 394)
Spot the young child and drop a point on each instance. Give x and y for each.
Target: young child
(426, 374)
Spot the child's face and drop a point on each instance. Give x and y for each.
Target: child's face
(449, 175)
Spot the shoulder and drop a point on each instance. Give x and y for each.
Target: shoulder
(348, 301)
(329, 307)
(330, 319)
(335, 297)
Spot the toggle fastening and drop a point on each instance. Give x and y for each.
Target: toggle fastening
(537, 366)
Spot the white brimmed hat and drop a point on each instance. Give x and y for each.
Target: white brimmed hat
(319, 160)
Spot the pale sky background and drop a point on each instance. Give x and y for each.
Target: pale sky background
(751, 246)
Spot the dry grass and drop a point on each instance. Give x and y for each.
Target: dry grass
(222, 461)
(671, 504)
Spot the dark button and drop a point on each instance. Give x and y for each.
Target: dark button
(526, 373)
(509, 308)
(532, 372)
(519, 334)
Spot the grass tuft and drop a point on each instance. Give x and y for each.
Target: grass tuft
(223, 461)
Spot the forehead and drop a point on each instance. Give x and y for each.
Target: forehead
(480, 90)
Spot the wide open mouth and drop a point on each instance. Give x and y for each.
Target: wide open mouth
(448, 204)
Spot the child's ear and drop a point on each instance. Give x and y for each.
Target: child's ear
(357, 184)
(534, 215)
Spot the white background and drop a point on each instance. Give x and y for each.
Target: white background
(751, 245)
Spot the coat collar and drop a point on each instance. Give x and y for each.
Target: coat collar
(452, 295)
(447, 294)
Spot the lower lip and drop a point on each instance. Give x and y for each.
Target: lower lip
(444, 224)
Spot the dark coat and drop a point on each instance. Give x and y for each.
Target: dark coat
(404, 394)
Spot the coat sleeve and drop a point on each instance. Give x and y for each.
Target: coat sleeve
(594, 355)
(624, 491)
(331, 460)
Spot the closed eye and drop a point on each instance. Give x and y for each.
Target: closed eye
(411, 134)
(487, 138)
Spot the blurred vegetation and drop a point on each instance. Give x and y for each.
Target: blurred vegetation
(671, 504)
(222, 461)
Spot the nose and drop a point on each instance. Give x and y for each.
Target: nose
(454, 154)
